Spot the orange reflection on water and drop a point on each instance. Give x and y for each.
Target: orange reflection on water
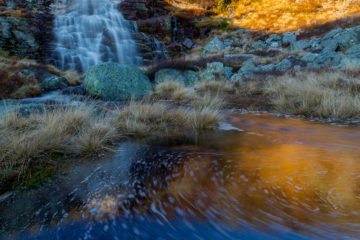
(286, 171)
(284, 167)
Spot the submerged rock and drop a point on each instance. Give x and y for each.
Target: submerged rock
(112, 81)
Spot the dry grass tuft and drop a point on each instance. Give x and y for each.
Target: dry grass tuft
(13, 84)
(214, 86)
(249, 87)
(174, 91)
(158, 120)
(208, 101)
(36, 139)
(28, 141)
(25, 91)
(74, 78)
(326, 95)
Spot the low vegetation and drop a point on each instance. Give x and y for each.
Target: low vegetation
(162, 121)
(36, 142)
(17, 81)
(325, 95)
(273, 15)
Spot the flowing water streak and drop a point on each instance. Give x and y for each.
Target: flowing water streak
(90, 32)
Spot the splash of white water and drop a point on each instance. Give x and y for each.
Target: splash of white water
(89, 32)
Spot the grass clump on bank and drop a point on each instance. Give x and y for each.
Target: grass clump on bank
(325, 95)
(159, 120)
(174, 91)
(33, 144)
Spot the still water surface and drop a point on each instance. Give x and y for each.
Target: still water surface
(277, 178)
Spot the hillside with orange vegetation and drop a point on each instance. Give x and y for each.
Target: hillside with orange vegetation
(276, 15)
(291, 15)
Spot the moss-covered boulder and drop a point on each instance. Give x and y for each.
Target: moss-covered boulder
(112, 81)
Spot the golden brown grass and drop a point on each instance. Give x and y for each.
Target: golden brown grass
(74, 78)
(172, 90)
(326, 95)
(25, 91)
(214, 86)
(15, 85)
(29, 141)
(38, 139)
(205, 96)
(159, 120)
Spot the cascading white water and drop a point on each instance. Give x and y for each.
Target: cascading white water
(89, 32)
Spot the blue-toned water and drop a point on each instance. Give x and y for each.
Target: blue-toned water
(260, 178)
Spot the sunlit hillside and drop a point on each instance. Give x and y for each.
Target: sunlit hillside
(276, 15)
(290, 15)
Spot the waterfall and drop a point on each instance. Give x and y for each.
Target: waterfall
(89, 32)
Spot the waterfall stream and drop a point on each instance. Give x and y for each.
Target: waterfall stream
(89, 32)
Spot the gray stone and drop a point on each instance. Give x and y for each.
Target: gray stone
(258, 45)
(112, 81)
(216, 71)
(332, 33)
(188, 43)
(289, 38)
(220, 71)
(241, 75)
(339, 38)
(354, 51)
(300, 45)
(315, 45)
(190, 77)
(284, 65)
(248, 65)
(17, 37)
(275, 44)
(314, 65)
(207, 76)
(266, 68)
(273, 38)
(349, 63)
(329, 59)
(215, 45)
(53, 83)
(309, 57)
(76, 90)
(229, 42)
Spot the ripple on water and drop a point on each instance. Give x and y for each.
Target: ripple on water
(278, 179)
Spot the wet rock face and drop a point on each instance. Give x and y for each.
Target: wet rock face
(26, 28)
(154, 19)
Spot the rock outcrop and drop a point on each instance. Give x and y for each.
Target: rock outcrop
(116, 82)
(278, 53)
(26, 28)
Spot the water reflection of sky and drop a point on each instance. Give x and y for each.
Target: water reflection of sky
(280, 178)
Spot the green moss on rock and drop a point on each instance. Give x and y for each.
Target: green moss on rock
(112, 81)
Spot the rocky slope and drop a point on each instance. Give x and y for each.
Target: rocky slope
(26, 28)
